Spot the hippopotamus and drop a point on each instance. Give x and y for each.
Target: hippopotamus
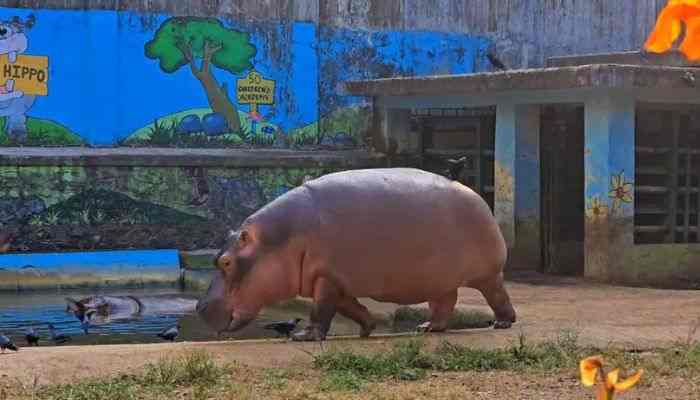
(99, 309)
(397, 235)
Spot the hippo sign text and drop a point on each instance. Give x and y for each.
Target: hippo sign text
(29, 73)
(254, 90)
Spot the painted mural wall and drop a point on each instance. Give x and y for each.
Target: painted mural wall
(83, 208)
(106, 78)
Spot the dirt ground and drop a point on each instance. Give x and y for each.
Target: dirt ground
(636, 318)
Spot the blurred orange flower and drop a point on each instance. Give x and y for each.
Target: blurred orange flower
(592, 368)
(668, 28)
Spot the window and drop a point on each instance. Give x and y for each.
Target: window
(667, 174)
(460, 132)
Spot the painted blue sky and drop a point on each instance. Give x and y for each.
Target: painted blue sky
(102, 261)
(103, 87)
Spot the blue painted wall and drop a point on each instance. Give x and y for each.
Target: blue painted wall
(103, 90)
(89, 269)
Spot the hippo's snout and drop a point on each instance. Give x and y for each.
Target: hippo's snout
(214, 313)
(213, 308)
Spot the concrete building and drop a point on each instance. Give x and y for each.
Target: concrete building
(592, 161)
(125, 138)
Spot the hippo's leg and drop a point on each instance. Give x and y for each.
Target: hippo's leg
(499, 301)
(325, 299)
(351, 308)
(440, 312)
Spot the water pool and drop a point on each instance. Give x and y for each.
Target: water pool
(21, 310)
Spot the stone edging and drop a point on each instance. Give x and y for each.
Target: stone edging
(172, 157)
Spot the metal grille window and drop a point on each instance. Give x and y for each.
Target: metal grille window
(455, 133)
(667, 174)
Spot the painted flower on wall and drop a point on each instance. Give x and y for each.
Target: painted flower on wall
(620, 190)
(597, 210)
(668, 29)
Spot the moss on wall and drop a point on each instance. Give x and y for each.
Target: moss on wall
(88, 208)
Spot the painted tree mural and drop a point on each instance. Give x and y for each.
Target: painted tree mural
(181, 41)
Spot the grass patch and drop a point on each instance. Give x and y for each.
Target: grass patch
(195, 370)
(194, 375)
(408, 318)
(411, 360)
(42, 132)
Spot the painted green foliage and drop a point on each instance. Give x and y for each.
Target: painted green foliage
(136, 207)
(41, 132)
(187, 40)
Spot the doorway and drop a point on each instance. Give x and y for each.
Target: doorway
(563, 185)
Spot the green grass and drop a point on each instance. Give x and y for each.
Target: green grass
(411, 360)
(407, 318)
(43, 132)
(162, 132)
(194, 370)
(194, 375)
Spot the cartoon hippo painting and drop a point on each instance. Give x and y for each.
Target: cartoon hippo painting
(397, 235)
(13, 103)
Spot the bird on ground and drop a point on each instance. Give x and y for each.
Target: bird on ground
(283, 328)
(58, 338)
(31, 337)
(498, 64)
(6, 343)
(170, 333)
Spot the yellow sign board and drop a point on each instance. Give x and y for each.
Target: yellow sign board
(30, 73)
(254, 90)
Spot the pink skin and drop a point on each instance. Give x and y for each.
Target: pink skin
(394, 235)
(273, 279)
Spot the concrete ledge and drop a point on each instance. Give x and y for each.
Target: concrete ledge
(170, 157)
(93, 269)
(598, 76)
(668, 59)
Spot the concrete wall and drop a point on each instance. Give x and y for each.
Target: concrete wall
(80, 207)
(104, 269)
(113, 75)
(116, 78)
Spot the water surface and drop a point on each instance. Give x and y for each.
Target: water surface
(21, 310)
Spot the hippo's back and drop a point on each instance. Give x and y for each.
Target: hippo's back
(402, 223)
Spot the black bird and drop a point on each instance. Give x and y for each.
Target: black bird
(6, 343)
(498, 64)
(58, 338)
(456, 167)
(283, 328)
(31, 337)
(170, 333)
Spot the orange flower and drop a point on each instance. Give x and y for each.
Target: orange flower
(668, 28)
(592, 368)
